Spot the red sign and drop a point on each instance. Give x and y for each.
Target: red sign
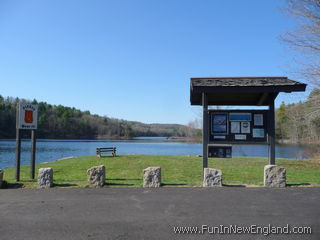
(28, 116)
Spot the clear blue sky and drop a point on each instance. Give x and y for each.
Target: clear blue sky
(133, 59)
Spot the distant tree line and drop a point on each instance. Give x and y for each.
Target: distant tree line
(300, 122)
(66, 122)
(295, 123)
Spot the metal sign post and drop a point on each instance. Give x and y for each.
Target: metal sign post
(27, 115)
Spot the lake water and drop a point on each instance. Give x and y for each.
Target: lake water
(51, 150)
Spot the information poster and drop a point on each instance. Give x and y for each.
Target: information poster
(258, 132)
(245, 127)
(235, 127)
(228, 153)
(219, 123)
(240, 116)
(258, 120)
(238, 126)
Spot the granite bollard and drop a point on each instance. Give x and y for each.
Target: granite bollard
(152, 177)
(96, 176)
(45, 178)
(274, 176)
(212, 177)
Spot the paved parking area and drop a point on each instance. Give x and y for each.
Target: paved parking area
(137, 213)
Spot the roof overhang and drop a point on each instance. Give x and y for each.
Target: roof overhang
(248, 91)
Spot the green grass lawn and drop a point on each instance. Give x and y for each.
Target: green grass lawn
(126, 171)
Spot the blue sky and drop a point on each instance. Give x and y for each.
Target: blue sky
(133, 59)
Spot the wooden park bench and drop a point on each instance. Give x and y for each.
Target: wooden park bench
(112, 150)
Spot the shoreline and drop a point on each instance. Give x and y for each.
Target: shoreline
(178, 171)
(165, 139)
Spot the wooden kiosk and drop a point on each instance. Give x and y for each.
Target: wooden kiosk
(239, 126)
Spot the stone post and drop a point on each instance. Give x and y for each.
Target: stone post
(96, 176)
(152, 177)
(212, 177)
(45, 178)
(274, 176)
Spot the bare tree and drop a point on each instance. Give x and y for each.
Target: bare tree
(305, 39)
(296, 117)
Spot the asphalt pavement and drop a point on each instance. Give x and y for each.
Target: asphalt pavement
(137, 213)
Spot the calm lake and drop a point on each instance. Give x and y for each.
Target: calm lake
(51, 150)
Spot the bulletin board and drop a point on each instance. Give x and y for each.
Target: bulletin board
(238, 126)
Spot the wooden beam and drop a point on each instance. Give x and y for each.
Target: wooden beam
(33, 153)
(18, 154)
(262, 98)
(271, 131)
(247, 89)
(205, 131)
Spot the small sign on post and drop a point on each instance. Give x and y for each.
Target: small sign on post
(27, 118)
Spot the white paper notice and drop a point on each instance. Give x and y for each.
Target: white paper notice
(235, 127)
(240, 137)
(258, 119)
(245, 127)
(219, 137)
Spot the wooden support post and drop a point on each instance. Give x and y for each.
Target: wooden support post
(18, 153)
(271, 134)
(205, 130)
(33, 153)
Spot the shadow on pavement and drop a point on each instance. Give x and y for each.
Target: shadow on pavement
(297, 184)
(64, 185)
(172, 184)
(118, 184)
(234, 185)
(124, 179)
(11, 185)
